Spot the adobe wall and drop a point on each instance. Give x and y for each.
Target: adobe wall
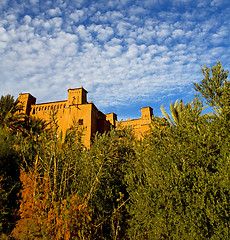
(111, 118)
(76, 109)
(140, 126)
(27, 100)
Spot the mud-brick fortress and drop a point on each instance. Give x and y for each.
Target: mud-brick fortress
(76, 109)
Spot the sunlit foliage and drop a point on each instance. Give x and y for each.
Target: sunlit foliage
(172, 184)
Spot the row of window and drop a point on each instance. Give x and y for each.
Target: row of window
(47, 108)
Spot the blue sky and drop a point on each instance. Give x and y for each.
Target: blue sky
(127, 54)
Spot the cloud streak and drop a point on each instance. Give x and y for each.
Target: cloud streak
(122, 53)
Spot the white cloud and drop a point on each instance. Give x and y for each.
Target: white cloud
(163, 33)
(132, 51)
(77, 15)
(3, 35)
(27, 19)
(34, 1)
(78, 3)
(113, 16)
(123, 28)
(62, 44)
(10, 19)
(84, 33)
(112, 51)
(3, 3)
(103, 34)
(216, 2)
(178, 33)
(137, 10)
(109, 51)
(54, 12)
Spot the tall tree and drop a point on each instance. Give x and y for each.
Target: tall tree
(181, 186)
(215, 88)
(10, 161)
(10, 116)
(33, 127)
(110, 160)
(180, 110)
(52, 204)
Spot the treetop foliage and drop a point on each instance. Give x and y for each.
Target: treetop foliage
(215, 87)
(10, 116)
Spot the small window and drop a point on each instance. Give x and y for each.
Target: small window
(80, 121)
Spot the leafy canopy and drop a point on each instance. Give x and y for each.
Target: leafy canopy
(215, 88)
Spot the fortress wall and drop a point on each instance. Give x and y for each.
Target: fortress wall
(76, 110)
(26, 100)
(81, 115)
(99, 123)
(44, 110)
(111, 118)
(140, 126)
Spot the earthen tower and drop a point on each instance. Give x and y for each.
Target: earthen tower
(76, 109)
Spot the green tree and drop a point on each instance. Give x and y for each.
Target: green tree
(33, 127)
(215, 88)
(176, 110)
(110, 160)
(53, 188)
(181, 186)
(10, 161)
(10, 123)
(179, 111)
(10, 116)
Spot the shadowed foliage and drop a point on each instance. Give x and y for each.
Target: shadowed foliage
(10, 116)
(174, 183)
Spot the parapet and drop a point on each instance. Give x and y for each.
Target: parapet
(146, 113)
(77, 96)
(112, 118)
(26, 99)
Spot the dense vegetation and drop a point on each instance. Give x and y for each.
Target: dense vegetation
(173, 184)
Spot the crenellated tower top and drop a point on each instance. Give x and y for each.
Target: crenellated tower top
(77, 96)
